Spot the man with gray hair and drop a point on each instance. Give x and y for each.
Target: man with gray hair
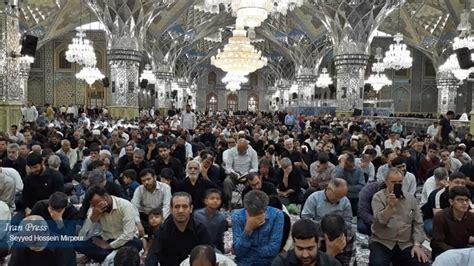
(14, 160)
(67, 151)
(138, 162)
(438, 180)
(239, 161)
(195, 185)
(257, 230)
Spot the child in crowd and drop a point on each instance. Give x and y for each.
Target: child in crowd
(167, 177)
(155, 219)
(214, 220)
(129, 181)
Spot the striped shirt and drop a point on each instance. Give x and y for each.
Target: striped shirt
(145, 200)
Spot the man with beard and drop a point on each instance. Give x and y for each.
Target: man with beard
(14, 160)
(128, 157)
(178, 235)
(195, 185)
(150, 195)
(138, 162)
(167, 161)
(41, 183)
(306, 252)
(116, 217)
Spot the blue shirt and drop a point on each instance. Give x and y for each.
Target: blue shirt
(215, 224)
(263, 245)
(290, 120)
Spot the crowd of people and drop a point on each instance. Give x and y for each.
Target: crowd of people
(294, 190)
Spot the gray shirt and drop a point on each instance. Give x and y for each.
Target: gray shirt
(317, 205)
(145, 200)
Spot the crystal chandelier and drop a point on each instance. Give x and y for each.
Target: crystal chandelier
(239, 56)
(465, 39)
(378, 80)
(324, 80)
(233, 81)
(90, 74)
(148, 75)
(80, 51)
(452, 65)
(398, 57)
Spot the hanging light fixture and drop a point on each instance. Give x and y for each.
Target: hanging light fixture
(90, 74)
(324, 80)
(378, 79)
(398, 57)
(452, 65)
(148, 75)
(80, 51)
(233, 81)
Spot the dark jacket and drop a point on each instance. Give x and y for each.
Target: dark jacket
(290, 259)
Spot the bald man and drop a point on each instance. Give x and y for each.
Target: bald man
(240, 160)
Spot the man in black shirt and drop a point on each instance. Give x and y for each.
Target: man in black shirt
(40, 183)
(254, 182)
(14, 160)
(445, 128)
(138, 163)
(194, 185)
(166, 161)
(178, 235)
(439, 200)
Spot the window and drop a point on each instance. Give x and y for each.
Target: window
(232, 102)
(212, 78)
(253, 103)
(212, 102)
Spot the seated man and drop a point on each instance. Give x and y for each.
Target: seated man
(354, 177)
(439, 200)
(150, 195)
(453, 227)
(306, 252)
(116, 218)
(239, 161)
(195, 185)
(438, 180)
(397, 230)
(254, 182)
(257, 230)
(366, 215)
(178, 235)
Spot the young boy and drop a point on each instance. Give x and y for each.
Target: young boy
(155, 219)
(167, 177)
(210, 216)
(130, 184)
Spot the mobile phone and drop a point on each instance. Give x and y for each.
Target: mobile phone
(397, 190)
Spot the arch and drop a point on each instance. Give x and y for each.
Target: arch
(62, 63)
(253, 102)
(429, 99)
(402, 99)
(212, 78)
(253, 79)
(211, 102)
(232, 102)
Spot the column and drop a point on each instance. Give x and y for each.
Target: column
(350, 72)
(306, 81)
(124, 75)
(447, 86)
(12, 95)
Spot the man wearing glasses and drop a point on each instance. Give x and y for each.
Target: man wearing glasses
(453, 227)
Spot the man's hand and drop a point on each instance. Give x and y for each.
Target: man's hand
(98, 210)
(204, 171)
(392, 200)
(101, 243)
(56, 215)
(283, 194)
(141, 230)
(336, 246)
(27, 211)
(254, 222)
(417, 251)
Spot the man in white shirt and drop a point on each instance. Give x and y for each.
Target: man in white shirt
(188, 119)
(433, 129)
(116, 218)
(393, 142)
(66, 150)
(438, 180)
(30, 114)
(238, 161)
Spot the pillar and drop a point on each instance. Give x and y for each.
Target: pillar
(350, 73)
(12, 94)
(447, 86)
(306, 81)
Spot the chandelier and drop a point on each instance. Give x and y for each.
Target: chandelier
(251, 13)
(465, 39)
(378, 80)
(324, 80)
(90, 74)
(398, 57)
(233, 81)
(80, 51)
(239, 56)
(148, 75)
